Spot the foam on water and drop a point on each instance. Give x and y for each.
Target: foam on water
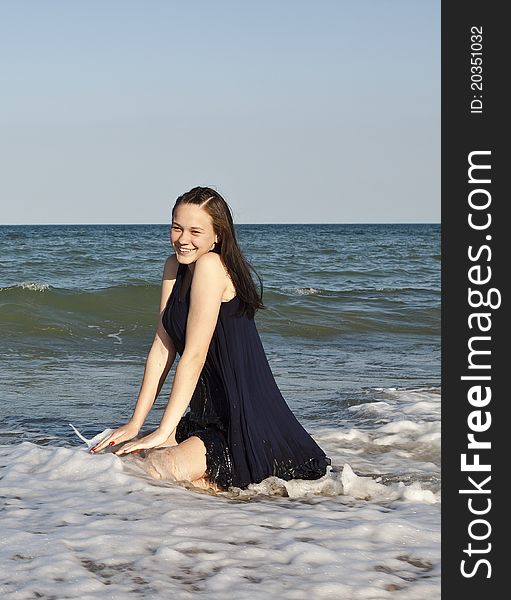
(396, 437)
(90, 443)
(78, 526)
(75, 525)
(307, 291)
(28, 285)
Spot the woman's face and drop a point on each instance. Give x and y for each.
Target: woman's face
(191, 233)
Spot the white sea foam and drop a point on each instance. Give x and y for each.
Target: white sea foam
(116, 336)
(397, 436)
(90, 443)
(30, 285)
(369, 489)
(77, 525)
(81, 526)
(306, 291)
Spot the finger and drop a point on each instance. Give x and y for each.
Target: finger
(111, 440)
(98, 447)
(130, 449)
(103, 444)
(126, 449)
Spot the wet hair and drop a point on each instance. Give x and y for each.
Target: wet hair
(239, 269)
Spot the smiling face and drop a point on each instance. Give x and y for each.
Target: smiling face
(191, 233)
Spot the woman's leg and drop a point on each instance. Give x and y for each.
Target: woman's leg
(182, 462)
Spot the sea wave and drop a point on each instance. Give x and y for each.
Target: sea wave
(25, 312)
(393, 432)
(37, 308)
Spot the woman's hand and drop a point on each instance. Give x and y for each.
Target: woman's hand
(157, 438)
(122, 434)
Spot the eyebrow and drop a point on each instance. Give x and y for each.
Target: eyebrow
(192, 227)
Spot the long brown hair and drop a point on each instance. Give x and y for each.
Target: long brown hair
(239, 269)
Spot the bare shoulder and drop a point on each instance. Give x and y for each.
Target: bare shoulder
(210, 263)
(211, 272)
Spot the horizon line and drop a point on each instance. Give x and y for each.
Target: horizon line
(168, 224)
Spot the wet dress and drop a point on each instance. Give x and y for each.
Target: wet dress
(237, 409)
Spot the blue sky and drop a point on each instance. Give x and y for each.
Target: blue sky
(320, 112)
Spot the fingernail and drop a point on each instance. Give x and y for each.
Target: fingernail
(111, 443)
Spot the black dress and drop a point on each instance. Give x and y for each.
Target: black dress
(237, 409)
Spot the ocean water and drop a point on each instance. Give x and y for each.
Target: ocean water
(352, 333)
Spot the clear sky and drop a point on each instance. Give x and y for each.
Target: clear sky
(323, 111)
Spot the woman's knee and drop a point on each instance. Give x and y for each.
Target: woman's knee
(162, 463)
(184, 462)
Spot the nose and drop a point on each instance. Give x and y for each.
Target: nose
(183, 238)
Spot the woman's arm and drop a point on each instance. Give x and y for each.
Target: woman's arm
(207, 288)
(159, 362)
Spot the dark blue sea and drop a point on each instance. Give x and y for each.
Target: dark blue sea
(350, 309)
(351, 329)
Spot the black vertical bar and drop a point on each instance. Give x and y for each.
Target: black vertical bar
(473, 121)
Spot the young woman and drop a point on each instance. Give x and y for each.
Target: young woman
(239, 429)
